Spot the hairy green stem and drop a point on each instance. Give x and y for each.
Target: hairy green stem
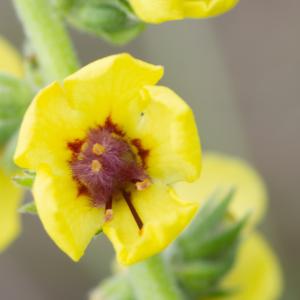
(49, 39)
(152, 279)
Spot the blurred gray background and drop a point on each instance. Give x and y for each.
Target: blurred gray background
(241, 74)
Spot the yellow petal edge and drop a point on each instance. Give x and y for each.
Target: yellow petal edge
(71, 221)
(158, 11)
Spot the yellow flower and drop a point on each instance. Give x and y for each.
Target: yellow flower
(106, 146)
(10, 61)
(10, 195)
(256, 273)
(157, 11)
(219, 174)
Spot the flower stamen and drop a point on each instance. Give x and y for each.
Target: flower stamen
(142, 185)
(84, 147)
(98, 149)
(96, 166)
(137, 218)
(108, 211)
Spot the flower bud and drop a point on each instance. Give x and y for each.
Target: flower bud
(111, 19)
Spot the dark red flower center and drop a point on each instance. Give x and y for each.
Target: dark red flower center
(107, 164)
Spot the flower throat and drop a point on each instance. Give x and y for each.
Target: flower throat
(107, 165)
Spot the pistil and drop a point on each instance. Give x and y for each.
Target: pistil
(138, 220)
(108, 211)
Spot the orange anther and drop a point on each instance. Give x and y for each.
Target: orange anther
(108, 215)
(96, 166)
(142, 185)
(98, 149)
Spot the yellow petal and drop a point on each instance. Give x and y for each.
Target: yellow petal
(220, 173)
(57, 116)
(256, 274)
(108, 86)
(10, 61)
(157, 11)
(164, 217)
(207, 8)
(167, 128)
(69, 218)
(10, 198)
(49, 124)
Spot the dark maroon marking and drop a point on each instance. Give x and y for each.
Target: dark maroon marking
(75, 147)
(82, 190)
(138, 220)
(108, 204)
(112, 127)
(143, 153)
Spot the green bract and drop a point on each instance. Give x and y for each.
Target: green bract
(113, 20)
(206, 251)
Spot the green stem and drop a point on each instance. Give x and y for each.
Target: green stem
(48, 37)
(114, 288)
(152, 279)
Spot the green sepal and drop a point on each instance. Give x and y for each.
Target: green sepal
(206, 251)
(205, 223)
(28, 208)
(220, 241)
(204, 270)
(112, 20)
(15, 96)
(202, 275)
(26, 179)
(154, 275)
